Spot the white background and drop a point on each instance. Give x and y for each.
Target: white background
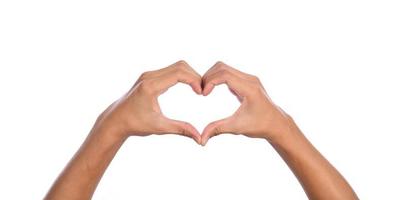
(336, 66)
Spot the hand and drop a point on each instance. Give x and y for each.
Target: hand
(257, 116)
(138, 112)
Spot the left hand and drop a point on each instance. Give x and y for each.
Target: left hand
(138, 112)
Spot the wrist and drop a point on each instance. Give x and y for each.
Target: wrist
(109, 130)
(108, 136)
(109, 125)
(284, 133)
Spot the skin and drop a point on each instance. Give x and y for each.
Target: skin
(138, 113)
(259, 117)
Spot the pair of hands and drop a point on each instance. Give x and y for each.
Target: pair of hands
(138, 111)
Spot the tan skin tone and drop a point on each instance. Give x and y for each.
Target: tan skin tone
(137, 113)
(259, 117)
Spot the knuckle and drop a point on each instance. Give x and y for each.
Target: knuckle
(256, 88)
(186, 124)
(220, 64)
(183, 131)
(145, 75)
(181, 64)
(180, 72)
(255, 78)
(146, 86)
(224, 73)
(217, 129)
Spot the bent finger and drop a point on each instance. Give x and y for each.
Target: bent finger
(160, 84)
(179, 65)
(235, 83)
(182, 128)
(219, 66)
(215, 128)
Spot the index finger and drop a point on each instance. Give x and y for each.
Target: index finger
(218, 66)
(160, 84)
(235, 83)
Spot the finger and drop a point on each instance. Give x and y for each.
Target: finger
(215, 68)
(215, 128)
(160, 84)
(171, 68)
(153, 74)
(181, 128)
(222, 66)
(209, 71)
(238, 85)
(183, 64)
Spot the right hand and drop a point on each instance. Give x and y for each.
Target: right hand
(257, 116)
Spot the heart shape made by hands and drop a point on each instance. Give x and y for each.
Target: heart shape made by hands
(181, 103)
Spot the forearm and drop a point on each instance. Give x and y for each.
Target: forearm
(135, 113)
(318, 177)
(81, 176)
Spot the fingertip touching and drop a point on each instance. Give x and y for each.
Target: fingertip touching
(213, 129)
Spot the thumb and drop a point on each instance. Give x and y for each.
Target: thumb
(216, 128)
(182, 128)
